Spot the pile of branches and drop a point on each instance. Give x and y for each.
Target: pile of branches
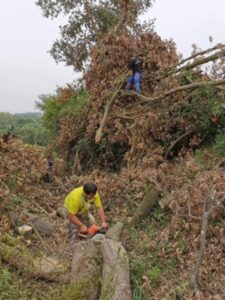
(181, 104)
(22, 167)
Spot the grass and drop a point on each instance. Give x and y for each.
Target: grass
(146, 260)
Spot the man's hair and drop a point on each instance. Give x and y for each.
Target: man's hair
(90, 188)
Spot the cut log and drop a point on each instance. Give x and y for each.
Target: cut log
(116, 273)
(26, 231)
(41, 225)
(114, 232)
(151, 197)
(85, 272)
(16, 254)
(60, 212)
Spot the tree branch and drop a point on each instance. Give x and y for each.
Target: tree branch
(201, 61)
(98, 135)
(218, 46)
(175, 90)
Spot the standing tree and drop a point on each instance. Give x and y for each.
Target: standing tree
(88, 20)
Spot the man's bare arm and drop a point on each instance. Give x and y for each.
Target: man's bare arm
(75, 220)
(101, 214)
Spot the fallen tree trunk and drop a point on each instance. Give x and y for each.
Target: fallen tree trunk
(41, 225)
(14, 253)
(151, 197)
(114, 232)
(85, 272)
(116, 274)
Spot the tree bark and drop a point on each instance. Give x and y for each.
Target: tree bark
(14, 253)
(116, 274)
(114, 232)
(201, 61)
(99, 133)
(41, 225)
(180, 89)
(219, 46)
(151, 197)
(85, 272)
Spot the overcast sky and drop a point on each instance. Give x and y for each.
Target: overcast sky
(27, 69)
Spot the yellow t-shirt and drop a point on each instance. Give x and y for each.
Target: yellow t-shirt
(75, 202)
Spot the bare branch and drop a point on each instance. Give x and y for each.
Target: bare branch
(219, 46)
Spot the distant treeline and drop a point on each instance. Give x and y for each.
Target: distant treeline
(26, 126)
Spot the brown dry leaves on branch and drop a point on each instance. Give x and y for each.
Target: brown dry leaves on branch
(109, 65)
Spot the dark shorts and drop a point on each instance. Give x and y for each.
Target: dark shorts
(72, 229)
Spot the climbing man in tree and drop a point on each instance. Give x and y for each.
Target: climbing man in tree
(135, 65)
(77, 207)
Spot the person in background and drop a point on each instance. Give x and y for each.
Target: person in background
(49, 163)
(77, 207)
(47, 176)
(135, 65)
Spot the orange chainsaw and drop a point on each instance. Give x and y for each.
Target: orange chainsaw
(92, 230)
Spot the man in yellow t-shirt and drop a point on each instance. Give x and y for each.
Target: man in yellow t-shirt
(77, 205)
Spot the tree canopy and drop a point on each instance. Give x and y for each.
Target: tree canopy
(87, 22)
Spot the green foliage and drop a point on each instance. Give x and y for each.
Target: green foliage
(202, 113)
(11, 287)
(55, 108)
(16, 200)
(88, 21)
(154, 275)
(107, 154)
(6, 120)
(206, 110)
(26, 126)
(78, 290)
(219, 146)
(178, 292)
(187, 77)
(51, 108)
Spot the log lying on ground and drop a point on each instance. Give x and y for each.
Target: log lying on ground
(60, 212)
(151, 197)
(116, 274)
(85, 272)
(114, 232)
(41, 225)
(14, 253)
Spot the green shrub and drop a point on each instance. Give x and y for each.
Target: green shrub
(154, 275)
(219, 146)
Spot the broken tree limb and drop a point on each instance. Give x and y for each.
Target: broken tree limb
(85, 272)
(174, 143)
(151, 197)
(41, 225)
(14, 253)
(99, 133)
(152, 100)
(218, 46)
(201, 61)
(183, 88)
(116, 273)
